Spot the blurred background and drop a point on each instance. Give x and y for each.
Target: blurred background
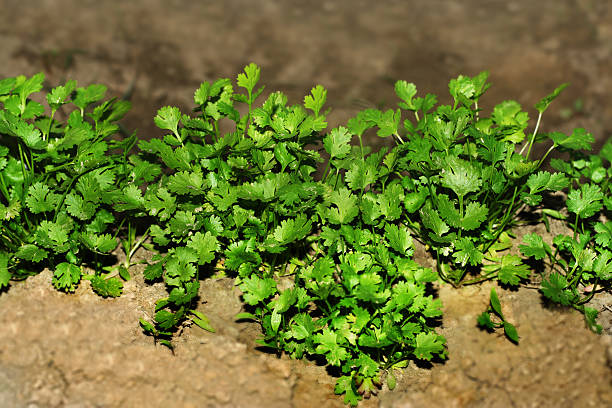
(158, 51)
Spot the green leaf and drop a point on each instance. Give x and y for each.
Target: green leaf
(66, 276)
(484, 321)
(556, 289)
(461, 177)
(168, 118)
(602, 266)
(205, 245)
(406, 91)
(390, 202)
(475, 214)
(345, 385)
(465, 252)
(432, 220)
(79, 208)
(130, 199)
(543, 104)
(510, 116)
(302, 327)
(586, 201)
(112, 287)
(167, 320)
(369, 288)
(183, 295)
(31, 252)
(399, 238)
(255, 289)
(7, 85)
(30, 86)
(249, 78)
(327, 344)
(202, 321)
(240, 254)
(544, 180)
(179, 269)
(59, 95)
(590, 316)
(360, 175)
(604, 234)
(536, 247)
(316, 99)
(388, 123)
(580, 139)
(153, 272)
(346, 207)
(246, 316)
(495, 303)
(29, 134)
(186, 183)
(91, 94)
(160, 203)
(336, 143)
(201, 95)
(428, 344)
(511, 332)
(293, 229)
(512, 270)
(52, 235)
(391, 381)
(40, 198)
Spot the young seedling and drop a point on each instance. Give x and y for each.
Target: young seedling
(485, 321)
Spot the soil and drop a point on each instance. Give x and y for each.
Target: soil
(79, 350)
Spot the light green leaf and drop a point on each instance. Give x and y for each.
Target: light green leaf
(336, 143)
(316, 99)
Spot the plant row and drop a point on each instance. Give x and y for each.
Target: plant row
(317, 230)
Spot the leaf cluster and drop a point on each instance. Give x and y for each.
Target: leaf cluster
(468, 176)
(58, 181)
(579, 264)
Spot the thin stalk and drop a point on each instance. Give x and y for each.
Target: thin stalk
(139, 242)
(48, 132)
(398, 137)
(533, 135)
(590, 296)
(480, 279)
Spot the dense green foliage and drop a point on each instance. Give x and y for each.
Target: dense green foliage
(579, 264)
(323, 259)
(58, 181)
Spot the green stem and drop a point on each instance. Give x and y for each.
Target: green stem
(590, 296)
(576, 226)
(483, 278)
(4, 189)
(48, 132)
(399, 138)
(533, 135)
(501, 228)
(460, 212)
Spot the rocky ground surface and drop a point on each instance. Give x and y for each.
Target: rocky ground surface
(79, 350)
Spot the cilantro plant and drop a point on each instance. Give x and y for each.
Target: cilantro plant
(324, 263)
(237, 203)
(356, 300)
(579, 264)
(494, 309)
(57, 182)
(467, 176)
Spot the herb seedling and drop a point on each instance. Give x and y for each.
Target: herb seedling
(485, 321)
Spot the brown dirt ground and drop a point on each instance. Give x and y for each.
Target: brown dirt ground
(82, 351)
